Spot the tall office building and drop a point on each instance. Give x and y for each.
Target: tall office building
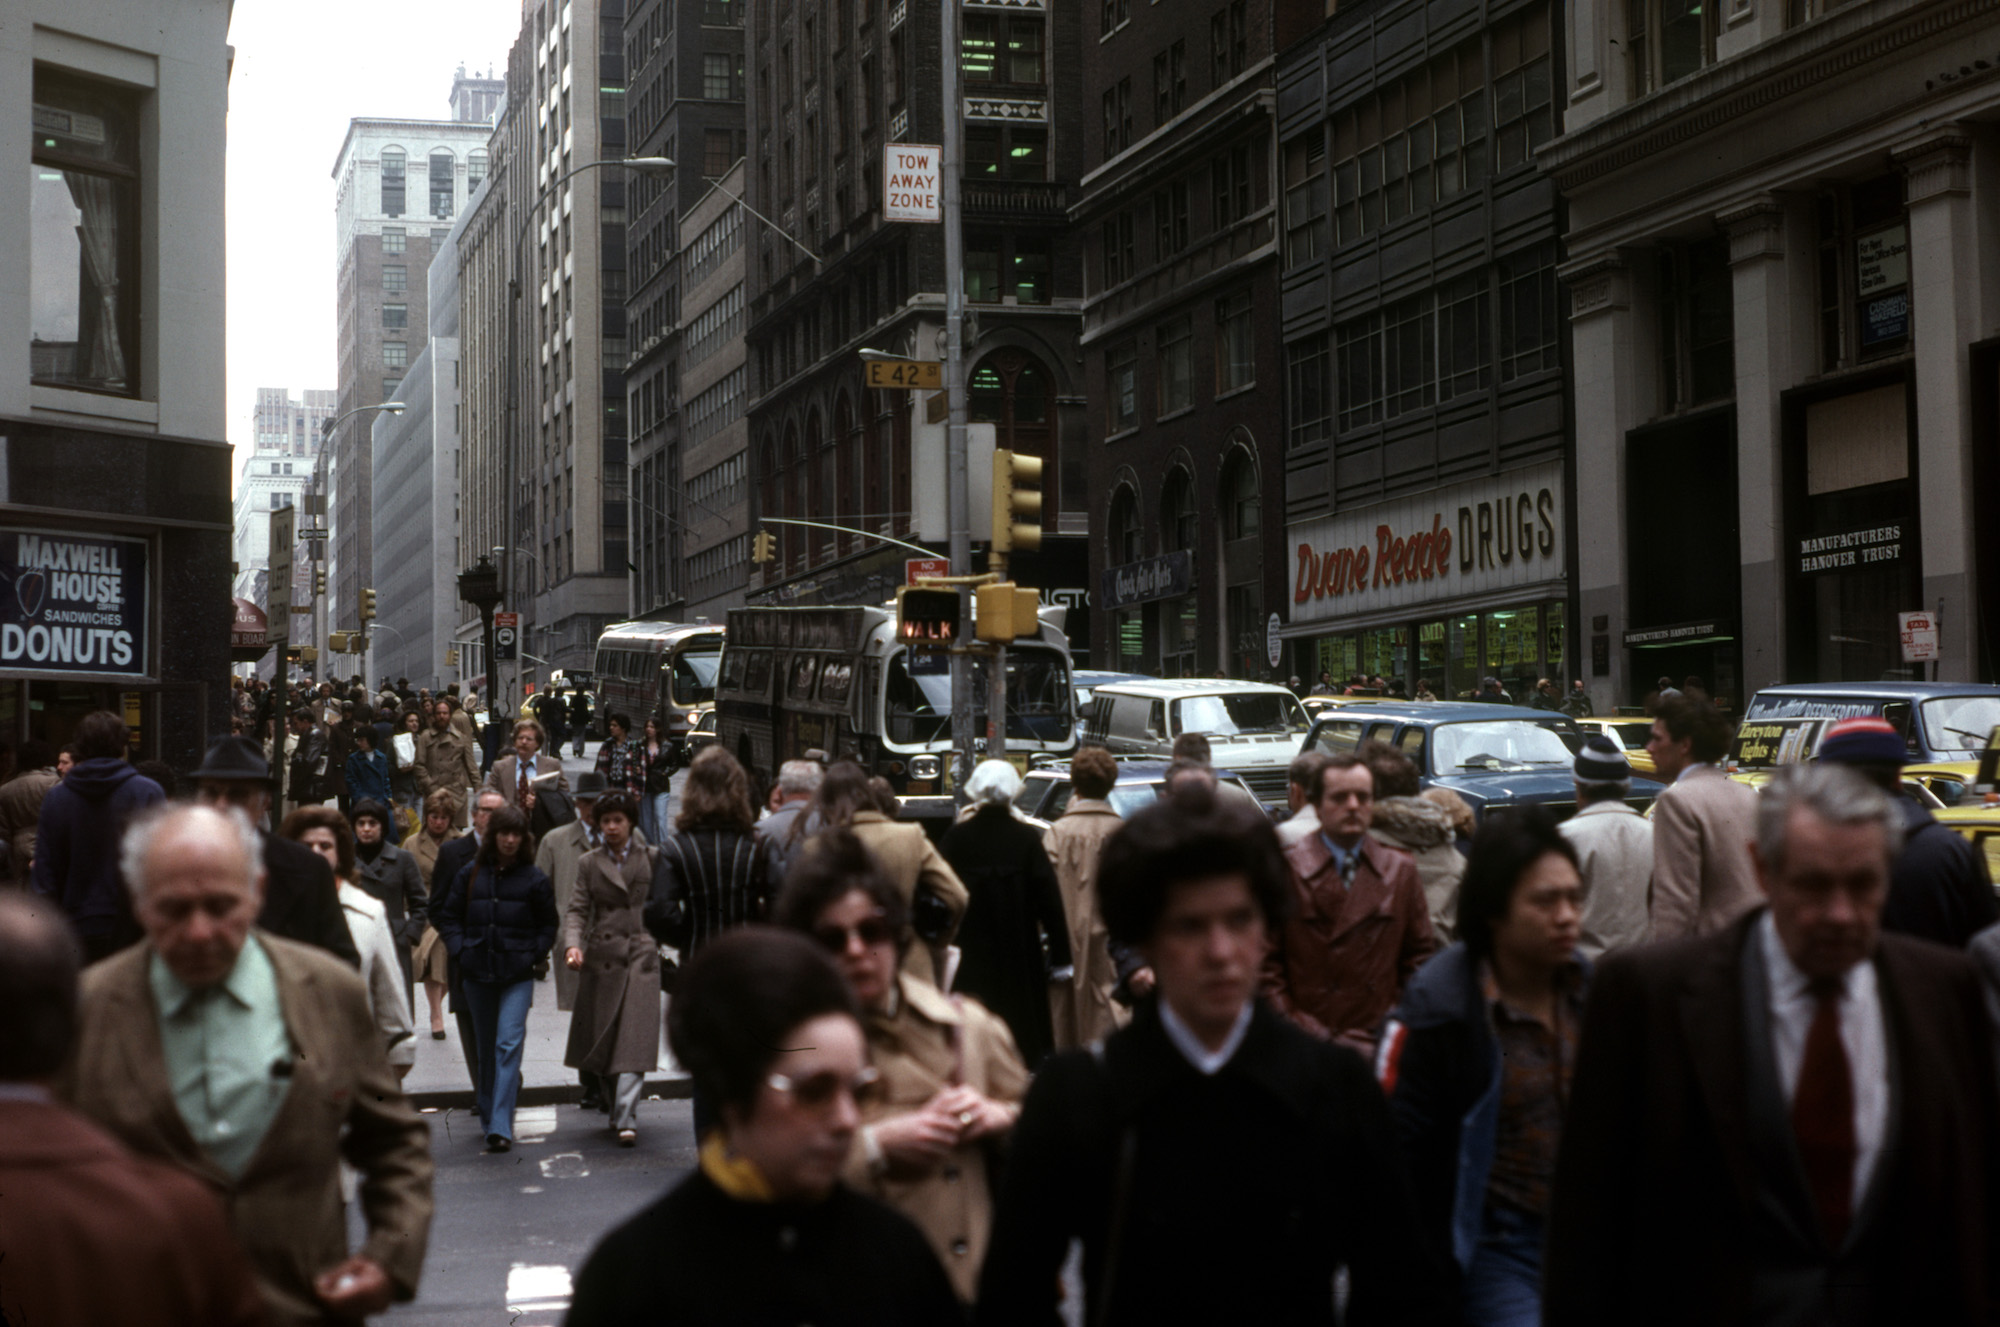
(564, 234)
(685, 102)
(276, 472)
(399, 186)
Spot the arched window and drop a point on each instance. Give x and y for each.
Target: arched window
(475, 168)
(393, 160)
(1124, 529)
(1179, 627)
(1242, 507)
(1010, 390)
(1177, 526)
(444, 183)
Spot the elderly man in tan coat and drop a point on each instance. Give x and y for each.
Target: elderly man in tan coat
(253, 1064)
(1083, 1010)
(1703, 824)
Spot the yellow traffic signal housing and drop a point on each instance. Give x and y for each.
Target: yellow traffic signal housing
(367, 605)
(319, 580)
(926, 615)
(1007, 612)
(308, 654)
(451, 658)
(764, 548)
(336, 641)
(1017, 501)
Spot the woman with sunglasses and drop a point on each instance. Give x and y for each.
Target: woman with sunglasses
(951, 1080)
(763, 1231)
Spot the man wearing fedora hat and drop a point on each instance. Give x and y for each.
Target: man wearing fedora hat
(561, 852)
(300, 900)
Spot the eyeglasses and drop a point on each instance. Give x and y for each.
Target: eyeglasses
(818, 1091)
(871, 931)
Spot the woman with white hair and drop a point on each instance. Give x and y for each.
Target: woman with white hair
(1014, 941)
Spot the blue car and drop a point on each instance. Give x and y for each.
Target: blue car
(1494, 756)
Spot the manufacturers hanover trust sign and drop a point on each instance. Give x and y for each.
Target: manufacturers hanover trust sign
(1490, 534)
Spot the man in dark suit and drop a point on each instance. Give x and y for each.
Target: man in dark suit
(301, 901)
(454, 855)
(1790, 1120)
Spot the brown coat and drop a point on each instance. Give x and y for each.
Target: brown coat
(21, 814)
(931, 1042)
(1338, 966)
(446, 760)
(1702, 875)
(93, 1234)
(616, 1025)
(501, 777)
(1083, 1011)
(912, 862)
(344, 1102)
(430, 962)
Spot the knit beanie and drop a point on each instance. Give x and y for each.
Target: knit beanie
(1602, 761)
(1863, 742)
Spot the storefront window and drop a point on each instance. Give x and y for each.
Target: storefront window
(1131, 624)
(1463, 636)
(1514, 650)
(1433, 662)
(1178, 630)
(1385, 653)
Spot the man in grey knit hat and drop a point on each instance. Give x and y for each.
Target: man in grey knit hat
(1614, 850)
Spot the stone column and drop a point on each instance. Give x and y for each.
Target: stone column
(1762, 313)
(1944, 289)
(1605, 355)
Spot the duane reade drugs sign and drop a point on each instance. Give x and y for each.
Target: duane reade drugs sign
(910, 173)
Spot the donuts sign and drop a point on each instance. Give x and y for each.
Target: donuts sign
(72, 603)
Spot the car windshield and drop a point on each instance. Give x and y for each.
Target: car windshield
(1129, 798)
(694, 677)
(1234, 712)
(1960, 724)
(1040, 704)
(1633, 736)
(1495, 744)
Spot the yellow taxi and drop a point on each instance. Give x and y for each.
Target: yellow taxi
(1318, 705)
(1629, 732)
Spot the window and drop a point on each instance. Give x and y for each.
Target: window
(1023, 64)
(1118, 117)
(1234, 185)
(389, 386)
(1120, 254)
(1235, 343)
(393, 239)
(1309, 391)
(1864, 272)
(1177, 512)
(1030, 279)
(718, 153)
(1465, 337)
(83, 250)
(278, 500)
(444, 183)
(1417, 142)
(395, 315)
(1170, 219)
(392, 162)
(1697, 339)
(722, 13)
(982, 269)
(1242, 505)
(1176, 342)
(1121, 378)
(712, 327)
(1006, 152)
(1117, 13)
(1305, 198)
(1666, 40)
(721, 76)
(1229, 41)
(475, 168)
(395, 355)
(1169, 82)
(395, 278)
(1530, 321)
(1523, 117)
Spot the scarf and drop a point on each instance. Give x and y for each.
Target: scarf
(368, 852)
(736, 1176)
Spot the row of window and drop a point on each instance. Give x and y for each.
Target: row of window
(713, 326)
(442, 179)
(1228, 55)
(1235, 343)
(725, 559)
(713, 409)
(1427, 350)
(1236, 189)
(722, 238)
(720, 485)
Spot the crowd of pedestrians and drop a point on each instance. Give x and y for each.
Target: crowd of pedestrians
(1731, 1062)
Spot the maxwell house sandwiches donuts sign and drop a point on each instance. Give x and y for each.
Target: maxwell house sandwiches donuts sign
(72, 603)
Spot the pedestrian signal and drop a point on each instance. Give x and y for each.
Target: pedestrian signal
(926, 615)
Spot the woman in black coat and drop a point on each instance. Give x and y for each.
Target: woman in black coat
(497, 919)
(1014, 940)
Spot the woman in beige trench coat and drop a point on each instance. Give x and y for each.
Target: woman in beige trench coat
(614, 1031)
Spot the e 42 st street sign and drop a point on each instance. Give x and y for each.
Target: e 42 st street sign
(918, 375)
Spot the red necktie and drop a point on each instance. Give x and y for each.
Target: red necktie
(521, 792)
(1823, 1116)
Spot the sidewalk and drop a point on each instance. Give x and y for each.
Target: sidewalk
(439, 1080)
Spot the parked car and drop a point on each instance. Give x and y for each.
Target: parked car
(1940, 721)
(1087, 680)
(1494, 756)
(1045, 790)
(1253, 728)
(700, 734)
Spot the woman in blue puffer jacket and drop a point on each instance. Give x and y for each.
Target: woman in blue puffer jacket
(497, 918)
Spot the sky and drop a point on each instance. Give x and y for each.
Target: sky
(302, 72)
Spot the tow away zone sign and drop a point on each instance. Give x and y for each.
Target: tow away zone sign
(910, 175)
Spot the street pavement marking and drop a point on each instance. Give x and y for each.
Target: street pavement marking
(537, 1289)
(564, 1166)
(533, 1124)
(531, 1188)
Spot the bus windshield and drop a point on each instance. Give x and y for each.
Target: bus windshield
(694, 677)
(918, 700)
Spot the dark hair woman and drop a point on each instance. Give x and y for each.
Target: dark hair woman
(1477, 1060)
(764, 1231)
(714, 871)
(659, 756)
(621, 760)
(326, 832)
(951, 1081)
(497, 918)
(1014, 942)
(614, 1033)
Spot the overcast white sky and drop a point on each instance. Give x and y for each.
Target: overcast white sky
(302, 72)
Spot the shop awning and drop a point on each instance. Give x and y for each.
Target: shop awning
(248, 638)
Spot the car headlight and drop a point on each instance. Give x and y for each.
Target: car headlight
(923, 768)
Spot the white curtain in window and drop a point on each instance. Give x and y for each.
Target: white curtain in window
(96, 198)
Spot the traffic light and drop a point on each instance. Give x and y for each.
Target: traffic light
(336, 641)
(1017, 501)
(764, 548)
(926, 615)
(1007, 612)
(319, 581)
(367, 605)
(451, 657)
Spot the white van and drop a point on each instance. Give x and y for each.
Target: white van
(1253, 728)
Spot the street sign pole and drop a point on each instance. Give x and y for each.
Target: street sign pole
(958, 502)
(278, 601)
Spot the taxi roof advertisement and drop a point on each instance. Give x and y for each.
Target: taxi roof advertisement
(73, 603)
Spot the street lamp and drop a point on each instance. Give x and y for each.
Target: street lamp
(479, 585)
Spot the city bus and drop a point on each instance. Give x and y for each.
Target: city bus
(656, 670)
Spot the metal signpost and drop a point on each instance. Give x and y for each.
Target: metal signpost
(278, 610)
